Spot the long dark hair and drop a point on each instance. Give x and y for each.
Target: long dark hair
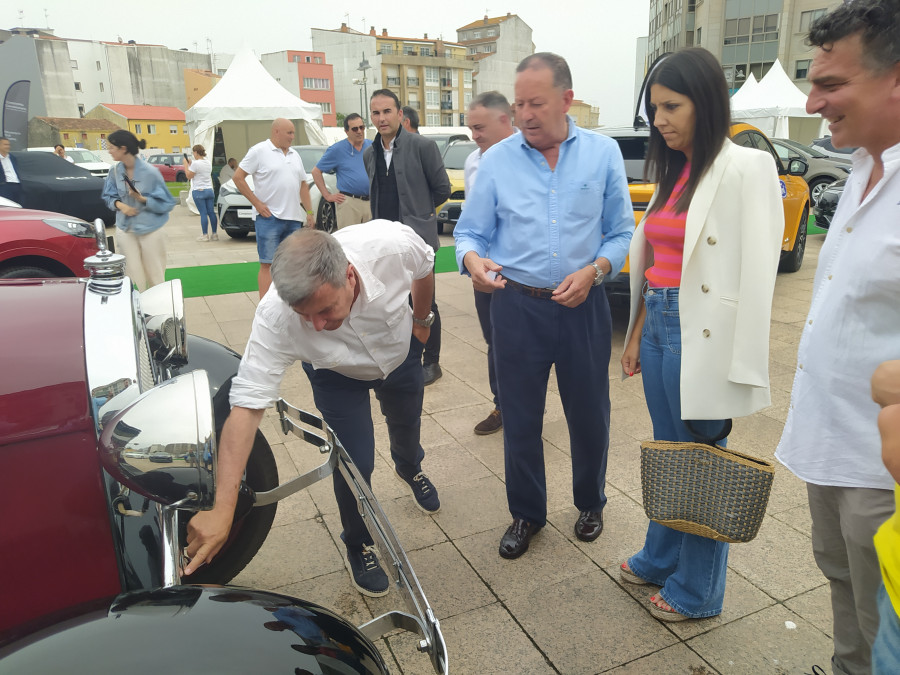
(694, 73)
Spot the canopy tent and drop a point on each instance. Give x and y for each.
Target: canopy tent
(776, 106)
(743, 96)
(243, 105)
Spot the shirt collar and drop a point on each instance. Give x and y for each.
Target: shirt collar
(372, 287)
(570, 136)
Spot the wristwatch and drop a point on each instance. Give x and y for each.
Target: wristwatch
(598, 278)
(426, 322)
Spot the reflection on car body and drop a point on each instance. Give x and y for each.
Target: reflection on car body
(454, 157)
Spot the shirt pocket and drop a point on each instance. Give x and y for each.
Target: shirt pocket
(585, 200)
(331, 359)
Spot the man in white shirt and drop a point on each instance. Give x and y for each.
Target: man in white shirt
(10, 186)
(340, 305)
(60, 151)
(489, 122)
(279, 191)
(227, 172)
(831, 436)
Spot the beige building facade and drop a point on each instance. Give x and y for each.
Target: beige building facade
(496, 45)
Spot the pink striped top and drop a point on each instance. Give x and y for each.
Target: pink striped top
(664, 230)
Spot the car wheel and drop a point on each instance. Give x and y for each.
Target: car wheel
(26, 272)
(817, 187)
(793, 259)
(248, 532)
(326, 219)
(180, 177)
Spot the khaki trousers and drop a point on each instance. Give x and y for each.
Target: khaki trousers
(353, 211)
(844, 520)
(145, 257)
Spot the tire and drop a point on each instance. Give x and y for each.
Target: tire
(817, 187)
(440, 227)
(27, 272)
(326, 218)
(180, 177)
(793, 259)
(247, 534)
(237, 234)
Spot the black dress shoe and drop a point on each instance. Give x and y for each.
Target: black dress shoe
(515, 541)
(589, 525)
(432, 373)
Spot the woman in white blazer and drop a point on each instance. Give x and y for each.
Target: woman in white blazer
(703, 265)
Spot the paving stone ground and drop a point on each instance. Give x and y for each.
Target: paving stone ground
(560, 608)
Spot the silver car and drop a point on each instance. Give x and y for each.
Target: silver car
(823, 170)
(236, 213)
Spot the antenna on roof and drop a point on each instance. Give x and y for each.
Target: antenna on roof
(47, 17)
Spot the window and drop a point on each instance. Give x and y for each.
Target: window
(425, 51)
(431, 75)
(173, 129)
(83, 136)
(65, 137)
(467, 98)
(807, 19)
(78, 86)
(320, 83)
(80, 110)
(98, 65)
(432, 98)
(698, 36)
(74, 64)
(387, 49)
(802, 69)
(308, 60)
(409, 50)
(471, 50)
(317, 59)
(476, 34)
(491, 32)
(176, 148)
(467, 78)
(137, 128)
(103, 136)
(325, 106)
(151, 128)
(101, 87)
(433, 119)
(297, 58)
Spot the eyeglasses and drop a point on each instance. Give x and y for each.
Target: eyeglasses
(357, 128)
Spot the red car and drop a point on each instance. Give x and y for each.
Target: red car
(109, 414)
(43, 244)
(169, 166)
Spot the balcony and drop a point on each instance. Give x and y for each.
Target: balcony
(446, 105)
(412, 81)
(446, 82)
(393, 81)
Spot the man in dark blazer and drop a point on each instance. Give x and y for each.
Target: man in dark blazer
(10, 186)
(407, 181)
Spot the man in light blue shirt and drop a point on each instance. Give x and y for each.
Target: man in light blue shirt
(345, 159)
(552, 205)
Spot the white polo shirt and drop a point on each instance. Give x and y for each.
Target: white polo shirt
(276, 179)
(374, 338)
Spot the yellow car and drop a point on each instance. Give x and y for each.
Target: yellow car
(794, 191)
(454, 161)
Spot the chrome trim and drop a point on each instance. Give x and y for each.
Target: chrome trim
(162, 308)
(420, 619)
(107, 269)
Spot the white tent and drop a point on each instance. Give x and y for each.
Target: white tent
(745, 94)
(243, 105)
(778, 107)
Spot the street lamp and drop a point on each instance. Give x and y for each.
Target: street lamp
(364, 66)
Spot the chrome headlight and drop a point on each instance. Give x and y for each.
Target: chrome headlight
(73, 226)
(228, 189)
(162, 308)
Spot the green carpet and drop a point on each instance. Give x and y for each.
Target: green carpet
(197, 282)
(811, 227)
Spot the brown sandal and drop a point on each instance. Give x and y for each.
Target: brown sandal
(630, 577)
(667, 615)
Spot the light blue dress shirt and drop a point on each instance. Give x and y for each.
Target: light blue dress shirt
(347, 162)
(540, 224)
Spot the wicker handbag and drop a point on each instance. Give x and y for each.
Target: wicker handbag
(702, 488)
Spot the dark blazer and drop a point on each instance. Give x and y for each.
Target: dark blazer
(422, 182)
(15, 164)
(11, 191)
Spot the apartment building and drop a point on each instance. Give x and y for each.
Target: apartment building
(496, 45)
(307, 75)
(430, 75)
(746, 35)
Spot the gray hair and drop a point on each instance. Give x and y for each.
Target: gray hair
(491, 99)
(562, 76)
(306, 261)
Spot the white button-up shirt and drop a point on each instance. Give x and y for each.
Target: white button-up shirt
(276, 179)
(831, 435)
(374, 338)
(470, 168)
(8, 169)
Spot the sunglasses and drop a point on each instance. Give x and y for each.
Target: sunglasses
(357, 128)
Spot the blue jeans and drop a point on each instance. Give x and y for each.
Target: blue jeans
(344, 404)
(204, 201)
(886, 650)
(690, 569)
(270, 232)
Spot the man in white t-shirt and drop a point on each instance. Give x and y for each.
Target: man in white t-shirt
(279, 196)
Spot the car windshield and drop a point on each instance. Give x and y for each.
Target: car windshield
(634, 152)
(456, 154)
(310, 154)
(794, 145)
(82, 155)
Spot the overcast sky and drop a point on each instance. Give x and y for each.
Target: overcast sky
(597, 37)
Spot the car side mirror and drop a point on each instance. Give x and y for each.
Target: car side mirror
(163, 444)
(797, 167)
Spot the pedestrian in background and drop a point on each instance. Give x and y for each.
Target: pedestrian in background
(345, 159)
(703, 262)
(10, 185)
(135, 190)
(410, 120)
(279, 196)
(60, 151)
(227, 172)
(199, 172)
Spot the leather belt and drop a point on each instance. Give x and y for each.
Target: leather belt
(531, 291)
(365, 198)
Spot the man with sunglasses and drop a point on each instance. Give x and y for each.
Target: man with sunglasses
(345, 160)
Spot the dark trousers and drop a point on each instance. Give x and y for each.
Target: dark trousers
(432, 352)
(483, 309)
(531, 335)
(344, 404)
(12, 191)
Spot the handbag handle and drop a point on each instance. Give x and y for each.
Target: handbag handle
(726, 429)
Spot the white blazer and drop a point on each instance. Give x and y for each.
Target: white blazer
(732, 245)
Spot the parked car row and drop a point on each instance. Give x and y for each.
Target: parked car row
(82, 157)
(823, 169)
